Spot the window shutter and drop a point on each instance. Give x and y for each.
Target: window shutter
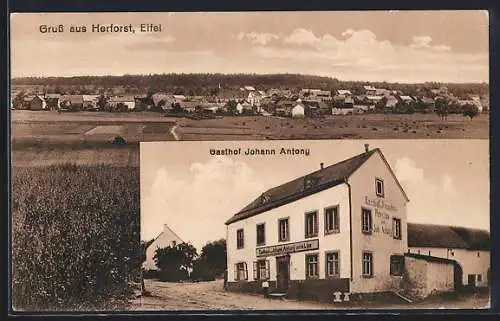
(246, 271)
(236, 271)
(255, 270)
(268, 272)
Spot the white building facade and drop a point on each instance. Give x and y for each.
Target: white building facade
(341, 228)
(165, 239)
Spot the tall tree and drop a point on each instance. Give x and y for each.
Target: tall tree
(442, 108)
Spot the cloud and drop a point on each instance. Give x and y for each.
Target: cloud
(257, 38)
(196, 208)
(434, 200)
(361, 53)
(424, 43)
(303, 36)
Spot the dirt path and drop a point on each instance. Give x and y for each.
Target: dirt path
(211, 296)
(174, 133)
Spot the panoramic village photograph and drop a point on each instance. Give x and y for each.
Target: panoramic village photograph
(347, 226)
(87, 89)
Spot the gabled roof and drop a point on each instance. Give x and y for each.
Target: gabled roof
(291, 191)
(122, 99)
(441, 236)
(166, 229)
(343, 92)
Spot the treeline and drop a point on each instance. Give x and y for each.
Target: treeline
(186, 82)
(182, 262)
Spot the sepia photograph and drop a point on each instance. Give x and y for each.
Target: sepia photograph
(247, 76)
(141, 143)
(344, 225)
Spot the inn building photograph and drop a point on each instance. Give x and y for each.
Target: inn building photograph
(341, 228)
(351, 222)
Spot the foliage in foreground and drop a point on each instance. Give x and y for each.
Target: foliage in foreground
(75, 240)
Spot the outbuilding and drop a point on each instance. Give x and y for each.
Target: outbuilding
(469, 248)
(298, 111)
(165, 239)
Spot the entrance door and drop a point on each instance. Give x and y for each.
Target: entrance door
(458, 274)
(282, 272)
(471, 280)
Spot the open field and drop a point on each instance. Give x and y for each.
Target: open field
(46, 137)
(368, 126)
(211, 296)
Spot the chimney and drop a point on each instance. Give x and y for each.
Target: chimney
(367, 148)
(321, 165)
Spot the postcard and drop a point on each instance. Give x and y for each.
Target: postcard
(136, 135)
(346, 225)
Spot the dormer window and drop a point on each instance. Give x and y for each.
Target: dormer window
(310, 181)
(265, 199)
(379, 187)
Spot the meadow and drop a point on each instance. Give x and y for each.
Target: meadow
(365, 126)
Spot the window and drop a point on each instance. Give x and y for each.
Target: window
(332, 264)
(397, 265)
(367, 264)
(379, 187)
(261, 234)
(396, 228)
(332, 224)
(479, 278)
(261, 270)
(240, 271)
(283, 233)
(310, 181)
(366, 221)
(311, 224)
(240, 240)
(312, 266)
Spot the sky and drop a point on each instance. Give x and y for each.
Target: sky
(182, 185)
(393, 46)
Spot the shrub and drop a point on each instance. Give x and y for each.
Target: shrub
(75, 241)
(119, 140)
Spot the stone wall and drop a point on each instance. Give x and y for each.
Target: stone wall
(415, 277)
(422, 278)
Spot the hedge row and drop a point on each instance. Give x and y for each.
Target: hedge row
(75, 240)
